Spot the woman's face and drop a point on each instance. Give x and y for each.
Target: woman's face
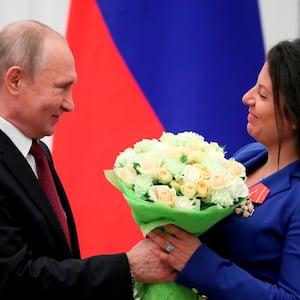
(261, 118)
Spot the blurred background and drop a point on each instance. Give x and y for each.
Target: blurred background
(145, 67)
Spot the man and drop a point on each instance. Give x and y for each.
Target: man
(38, 260)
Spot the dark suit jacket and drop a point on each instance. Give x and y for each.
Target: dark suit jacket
(35, 260)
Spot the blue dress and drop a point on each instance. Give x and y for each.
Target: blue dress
(256, 257)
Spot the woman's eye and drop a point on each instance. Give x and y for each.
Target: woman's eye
(262, 95)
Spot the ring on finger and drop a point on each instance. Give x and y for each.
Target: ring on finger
(169, 248)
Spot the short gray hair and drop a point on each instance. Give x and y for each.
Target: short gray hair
(22, 44)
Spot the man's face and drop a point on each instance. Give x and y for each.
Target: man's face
(42, 100)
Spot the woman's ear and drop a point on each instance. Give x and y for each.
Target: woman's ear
(12, 79)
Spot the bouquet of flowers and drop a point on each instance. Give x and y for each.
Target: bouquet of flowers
(177, 179)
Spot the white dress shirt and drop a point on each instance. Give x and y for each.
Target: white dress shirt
(22, 142)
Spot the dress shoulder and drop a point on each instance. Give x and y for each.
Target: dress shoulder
(250, 153)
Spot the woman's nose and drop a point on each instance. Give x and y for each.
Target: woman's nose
(248, 98)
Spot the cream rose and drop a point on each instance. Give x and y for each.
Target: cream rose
(218, 180)
(188, 190)
(204, 172)
(235, 168)
(164, 176)
(127, 174)
(162, 194)
(150, 166)
(202, 188)
(176, 184)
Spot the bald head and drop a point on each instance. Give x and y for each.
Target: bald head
(22, 44)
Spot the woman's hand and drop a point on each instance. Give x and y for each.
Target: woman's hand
(176, 245)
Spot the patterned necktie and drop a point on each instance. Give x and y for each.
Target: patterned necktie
(47, 182)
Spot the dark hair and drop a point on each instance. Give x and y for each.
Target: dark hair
(284, 68)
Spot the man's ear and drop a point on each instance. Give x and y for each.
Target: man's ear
(13, 78)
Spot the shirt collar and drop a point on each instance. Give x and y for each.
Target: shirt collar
(22, 142)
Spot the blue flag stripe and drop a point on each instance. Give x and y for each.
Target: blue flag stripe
(192, 59)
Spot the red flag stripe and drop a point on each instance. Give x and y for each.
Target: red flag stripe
(111, 113)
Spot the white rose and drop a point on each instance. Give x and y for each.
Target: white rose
(239, 188)
(191, 173)
(184, 202)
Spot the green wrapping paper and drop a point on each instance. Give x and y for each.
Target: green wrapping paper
(149, 215)
(164, 291)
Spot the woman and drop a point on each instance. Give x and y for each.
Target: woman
(257, 257)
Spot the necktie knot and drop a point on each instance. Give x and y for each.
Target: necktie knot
(36, 150)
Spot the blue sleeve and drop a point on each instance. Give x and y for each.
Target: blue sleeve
(219, 278)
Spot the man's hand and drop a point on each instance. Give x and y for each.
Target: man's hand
(146, 266)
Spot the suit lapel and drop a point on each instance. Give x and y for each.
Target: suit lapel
(19, 168)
